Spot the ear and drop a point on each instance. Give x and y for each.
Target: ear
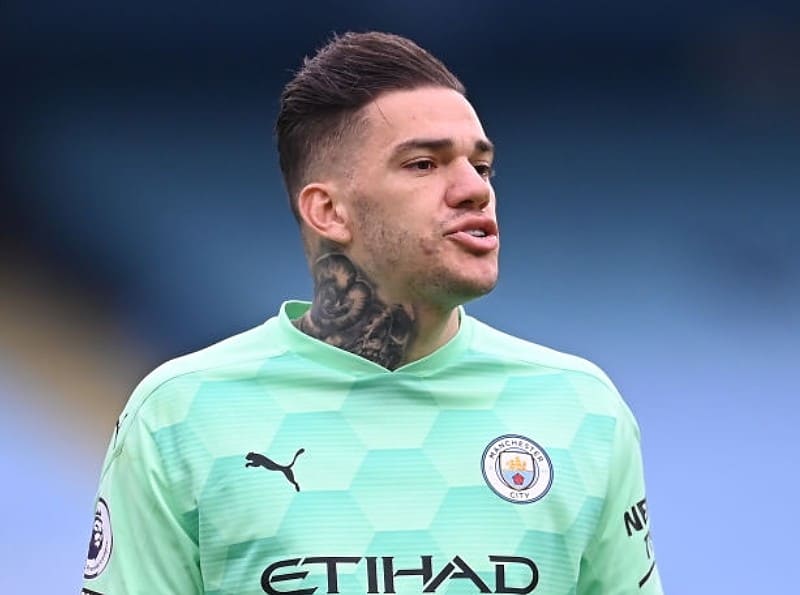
(323, 212)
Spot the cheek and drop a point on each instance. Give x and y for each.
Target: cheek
(429, 247)
(394, 228)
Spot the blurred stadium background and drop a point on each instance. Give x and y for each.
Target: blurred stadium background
(648, 183)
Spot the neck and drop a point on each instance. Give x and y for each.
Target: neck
(349, 312)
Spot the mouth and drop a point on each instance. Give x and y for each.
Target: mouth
(478, 227)
(478, 235)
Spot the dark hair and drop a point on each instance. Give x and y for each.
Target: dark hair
(320, 106)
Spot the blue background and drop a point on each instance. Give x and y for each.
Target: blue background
(648, 187)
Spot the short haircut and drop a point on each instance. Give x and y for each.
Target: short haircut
(320, 108)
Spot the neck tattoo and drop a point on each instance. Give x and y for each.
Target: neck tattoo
(347, 313)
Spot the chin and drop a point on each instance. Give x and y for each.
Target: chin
(479, 290)
(451, 284)
(463, 289)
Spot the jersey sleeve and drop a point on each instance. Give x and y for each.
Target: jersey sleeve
(141, 540)
(620, 559)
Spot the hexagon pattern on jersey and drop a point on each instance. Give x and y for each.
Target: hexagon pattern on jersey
(388, 472)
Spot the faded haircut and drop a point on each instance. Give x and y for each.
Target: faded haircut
(320, 108)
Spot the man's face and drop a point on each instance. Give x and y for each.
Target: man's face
(422, 206)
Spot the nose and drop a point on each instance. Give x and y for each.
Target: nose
(468, 189)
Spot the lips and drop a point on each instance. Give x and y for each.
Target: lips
(475, 234)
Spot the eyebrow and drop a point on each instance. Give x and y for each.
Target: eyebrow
(438, 144)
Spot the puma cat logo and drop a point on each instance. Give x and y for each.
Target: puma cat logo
(255, 459)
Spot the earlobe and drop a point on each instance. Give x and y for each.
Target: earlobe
(323, 213)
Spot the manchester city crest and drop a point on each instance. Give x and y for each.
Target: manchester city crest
(517, 469)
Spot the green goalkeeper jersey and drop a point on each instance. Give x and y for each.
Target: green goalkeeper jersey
(274, 463)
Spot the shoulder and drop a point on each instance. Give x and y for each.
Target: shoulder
(249, 347)
(499, 344)
(529, 358)
(164, 394)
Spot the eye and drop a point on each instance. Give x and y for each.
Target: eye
(485, 170)
(421, 165)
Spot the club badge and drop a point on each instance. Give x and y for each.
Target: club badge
(517, 469)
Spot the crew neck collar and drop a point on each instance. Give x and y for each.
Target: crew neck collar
(342, 360)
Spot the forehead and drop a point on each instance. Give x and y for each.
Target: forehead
(430, 112)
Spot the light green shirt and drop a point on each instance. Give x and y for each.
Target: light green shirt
(274, 463)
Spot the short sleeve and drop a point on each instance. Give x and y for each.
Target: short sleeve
(620, 559)
(141, 542)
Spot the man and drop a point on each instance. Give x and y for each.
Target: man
(377, 440)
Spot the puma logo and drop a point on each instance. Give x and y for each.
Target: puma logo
(255, 459)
